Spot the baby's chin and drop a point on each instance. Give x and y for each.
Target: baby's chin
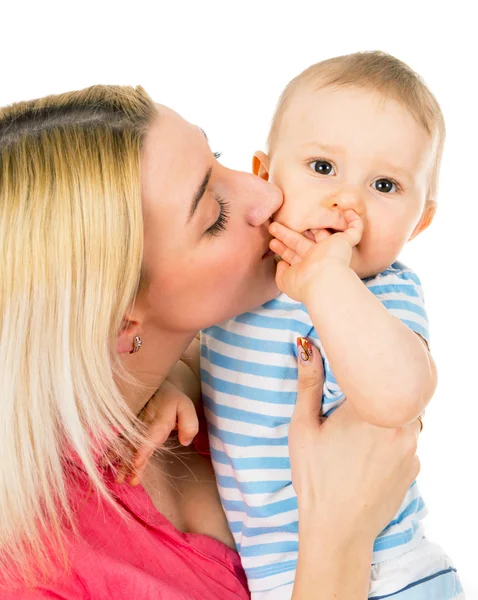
(364, 268)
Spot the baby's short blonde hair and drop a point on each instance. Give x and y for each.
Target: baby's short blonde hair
(376, 71)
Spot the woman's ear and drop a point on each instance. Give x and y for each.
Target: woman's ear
(260, 165)
(124, 341)
(426, 219)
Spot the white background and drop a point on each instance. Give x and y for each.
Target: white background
(222, 64)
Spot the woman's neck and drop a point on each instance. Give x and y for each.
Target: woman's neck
(151, 365)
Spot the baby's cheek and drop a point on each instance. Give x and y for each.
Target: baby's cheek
(290, 215)
(380, 248)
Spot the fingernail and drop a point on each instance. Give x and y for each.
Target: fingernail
(304, 350)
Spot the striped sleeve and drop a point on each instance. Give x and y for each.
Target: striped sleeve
(399, 289)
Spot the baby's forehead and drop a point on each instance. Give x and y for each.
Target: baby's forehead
(334, 105)
(300, 103)
(351, 123)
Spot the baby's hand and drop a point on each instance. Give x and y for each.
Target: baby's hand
(168, 410)
(303, 259)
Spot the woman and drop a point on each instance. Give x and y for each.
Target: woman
(121, 236)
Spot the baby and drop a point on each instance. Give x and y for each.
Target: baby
(355, 146)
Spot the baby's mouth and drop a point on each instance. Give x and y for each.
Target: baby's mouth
(310, 233)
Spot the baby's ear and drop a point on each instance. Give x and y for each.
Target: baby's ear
(260, 165)
(426, 219)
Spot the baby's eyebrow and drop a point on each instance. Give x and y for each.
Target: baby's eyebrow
(323, 147)
(400, 172)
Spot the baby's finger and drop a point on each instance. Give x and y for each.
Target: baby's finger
(188, 423)
(354, 229)
(282, 268)
(296, 241)
(124, 467)
(320, 235)
(122, 473)
(284, 252)
(161, 425)
(140, 463)
(156, 439)
(109, 457)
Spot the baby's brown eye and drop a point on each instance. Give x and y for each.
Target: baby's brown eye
(322, 167)
(384, 185)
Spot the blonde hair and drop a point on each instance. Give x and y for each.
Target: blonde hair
(380, 72)
(71, 244)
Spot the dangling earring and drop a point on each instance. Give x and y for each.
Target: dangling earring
(137, 343)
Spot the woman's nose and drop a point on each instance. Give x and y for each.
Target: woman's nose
(265, 202)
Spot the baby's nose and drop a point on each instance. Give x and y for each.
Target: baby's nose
(346, 199)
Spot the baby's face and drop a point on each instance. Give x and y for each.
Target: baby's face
(352, 148)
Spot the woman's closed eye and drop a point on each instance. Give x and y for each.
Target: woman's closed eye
(220, 224)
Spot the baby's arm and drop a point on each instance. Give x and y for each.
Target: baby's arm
(376, 359)
(185, 374)
(176, 405)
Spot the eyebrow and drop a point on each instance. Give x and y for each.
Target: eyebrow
(401, 173)
(324, 147)
(199, 194)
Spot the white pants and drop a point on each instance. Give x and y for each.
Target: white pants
(423, 573)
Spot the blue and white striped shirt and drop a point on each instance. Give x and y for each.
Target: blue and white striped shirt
(249, 385)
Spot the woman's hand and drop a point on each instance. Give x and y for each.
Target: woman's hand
(355, 473)
(350, 478)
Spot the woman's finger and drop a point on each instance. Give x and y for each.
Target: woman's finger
(310, 380)
(296, 241)
(284, 251)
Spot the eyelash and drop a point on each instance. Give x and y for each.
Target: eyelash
(217, 155)
(220, 225)
(395, 183)
(310, 162)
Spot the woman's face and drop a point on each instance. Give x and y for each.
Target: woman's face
(206, 230)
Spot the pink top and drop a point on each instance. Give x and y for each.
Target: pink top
(143, 557)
